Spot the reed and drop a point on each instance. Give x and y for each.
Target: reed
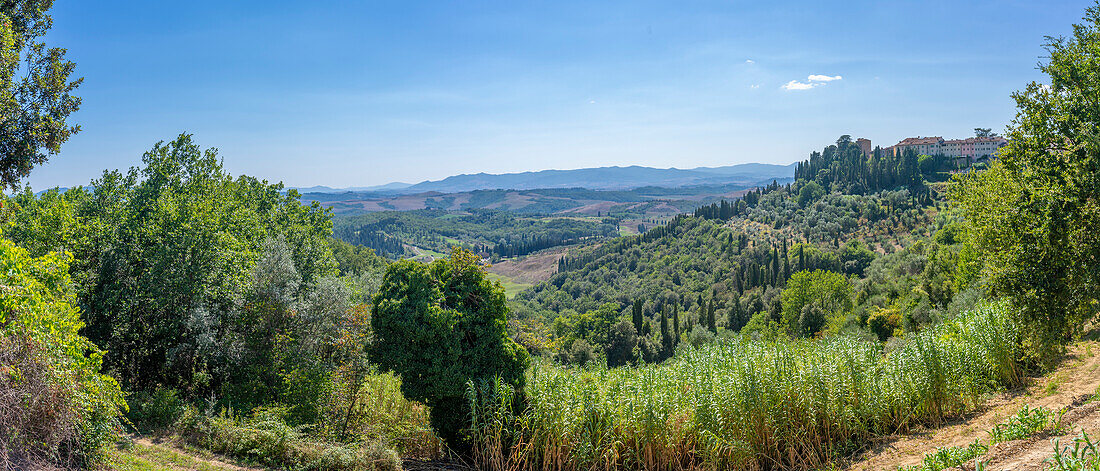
(744, 403)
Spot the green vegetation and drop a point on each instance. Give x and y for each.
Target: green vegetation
(55, 406)
(786, 329)
(951, 457)
(441, 326)
(735, 271)
(1083, 456)
(491, 232)
(741, 402)
(221, 292)
(36, 86)
(843, 167)
(1032, 215)
(1026, 423)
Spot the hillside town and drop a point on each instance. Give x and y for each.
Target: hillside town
(972, 148)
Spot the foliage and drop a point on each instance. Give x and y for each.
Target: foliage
(810, 192)
(742, 403)
(811, 296)
(1084, 456)
(265, 438)
(885, 323)
(1032, 214)
(166, 259)
(844, 167)
(36, 86)
(1027, 422)
(950, 457)
(498, 232)
(440, 326)
(54, 403)
(705, 267)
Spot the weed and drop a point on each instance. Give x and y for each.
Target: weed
(1084, 456)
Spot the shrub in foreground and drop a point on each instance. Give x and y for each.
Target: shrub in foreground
(55, 407)
(440, 326)
(266, 439)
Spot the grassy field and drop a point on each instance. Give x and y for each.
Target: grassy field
(510, 287)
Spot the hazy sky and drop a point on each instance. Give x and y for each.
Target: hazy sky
(344, 93)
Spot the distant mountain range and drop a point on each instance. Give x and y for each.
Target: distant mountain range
(601, 178)
(379, 188)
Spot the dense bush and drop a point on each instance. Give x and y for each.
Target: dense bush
(1033, 214)
(55, 406)
(165, 257)
(265, 438)
(440, 326)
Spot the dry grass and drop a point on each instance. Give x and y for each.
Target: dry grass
(37, 422)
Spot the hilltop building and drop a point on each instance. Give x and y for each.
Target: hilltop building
(975, 148)
(865, 146)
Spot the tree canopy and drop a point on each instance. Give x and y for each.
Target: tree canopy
(441, 326)
(1033, 214)
(36, 86)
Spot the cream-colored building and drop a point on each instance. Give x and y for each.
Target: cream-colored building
(973, 147)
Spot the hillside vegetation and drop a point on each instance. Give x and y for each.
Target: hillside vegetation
(790, 328)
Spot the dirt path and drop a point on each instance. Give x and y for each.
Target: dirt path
(1070, 386)
(1033, 453)
(164, 454)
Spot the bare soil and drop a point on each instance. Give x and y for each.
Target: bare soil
(1071, 387)
(531, 269)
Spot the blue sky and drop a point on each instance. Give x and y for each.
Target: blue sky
(343, 93)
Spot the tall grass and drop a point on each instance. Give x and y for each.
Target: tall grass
(745, 403)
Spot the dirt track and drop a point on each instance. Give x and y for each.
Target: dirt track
(1073, 386)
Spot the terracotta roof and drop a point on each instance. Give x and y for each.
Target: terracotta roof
(917, 141)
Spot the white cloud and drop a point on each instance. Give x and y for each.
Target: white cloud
(796, 85)
(813, 81)
(754, 86)
(750, 61)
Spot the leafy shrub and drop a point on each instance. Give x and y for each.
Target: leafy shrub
(885, 323)
(950, 457)
(54, 404)
(366, 406)
(439, 326)
(266, 439)
(1026, 423)
(155, 411)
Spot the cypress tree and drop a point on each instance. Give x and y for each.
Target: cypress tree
(676, 322)
(712, 323)
(637, 315)
(666, 338)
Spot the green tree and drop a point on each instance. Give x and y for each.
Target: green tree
(441, 326)
(36, 86)
(165, 260)
(621, 344)
(1033, 214)
(809, 193)
(637, 316)
(810, 297)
